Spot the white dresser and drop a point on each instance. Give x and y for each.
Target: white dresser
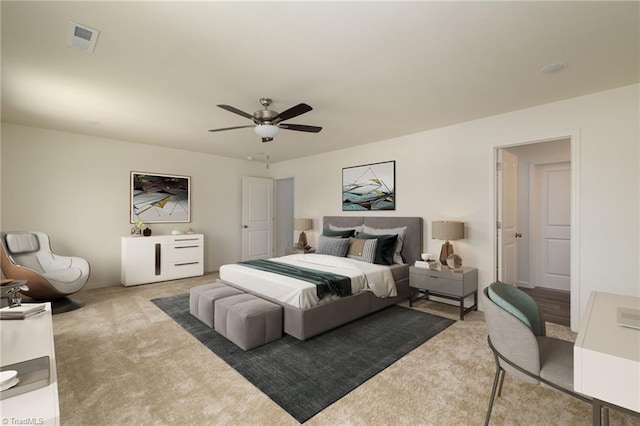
(161, 258)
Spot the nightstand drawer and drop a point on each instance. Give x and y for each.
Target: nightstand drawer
(437, 284)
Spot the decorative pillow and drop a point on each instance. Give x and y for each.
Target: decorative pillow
(342, 234)
(362, 249)
(401, 231)
(345, 228)
(332, 246)
(384, 249)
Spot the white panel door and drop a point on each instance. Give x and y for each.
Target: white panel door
(508, 217)
(257, 218)
(553, 234)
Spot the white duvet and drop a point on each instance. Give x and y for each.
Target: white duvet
(364, 277)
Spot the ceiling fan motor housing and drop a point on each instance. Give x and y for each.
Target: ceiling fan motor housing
(264, 116)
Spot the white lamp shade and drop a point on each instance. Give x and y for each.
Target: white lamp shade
(302, 224)
(266, 130)
(447, 230)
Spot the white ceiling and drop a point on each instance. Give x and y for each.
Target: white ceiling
(371, 70)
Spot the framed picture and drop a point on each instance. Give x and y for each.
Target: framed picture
(369, 187)
(157, 198)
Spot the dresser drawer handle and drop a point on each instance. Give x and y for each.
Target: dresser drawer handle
(186, 263)
(434, 276)
(182, 247)
(185, 239)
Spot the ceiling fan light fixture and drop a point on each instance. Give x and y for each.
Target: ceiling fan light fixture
(266, 130)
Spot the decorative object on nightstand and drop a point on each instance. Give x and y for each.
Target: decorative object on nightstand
(427, 261)
(454, 262)
(446, 230)
(302, 224)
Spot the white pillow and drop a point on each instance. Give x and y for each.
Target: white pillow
(346, 228)
(400, 231)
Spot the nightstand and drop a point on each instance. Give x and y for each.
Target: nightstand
(445, 283)
(299, 251)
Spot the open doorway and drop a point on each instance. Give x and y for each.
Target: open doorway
(534, 223)
(284, 197)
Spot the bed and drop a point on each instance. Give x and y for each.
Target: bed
(304, 317)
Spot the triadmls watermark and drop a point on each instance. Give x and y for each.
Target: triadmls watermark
(22, 421)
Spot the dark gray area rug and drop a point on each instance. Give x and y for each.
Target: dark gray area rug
(304, 377)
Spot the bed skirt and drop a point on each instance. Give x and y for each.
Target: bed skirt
(306, 323)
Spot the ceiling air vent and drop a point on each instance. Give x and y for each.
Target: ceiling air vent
(82, 37)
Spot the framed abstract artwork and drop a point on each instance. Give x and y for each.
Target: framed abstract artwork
(369, 187)
(157, 198)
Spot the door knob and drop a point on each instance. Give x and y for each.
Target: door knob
(245, 226)
(518, 235)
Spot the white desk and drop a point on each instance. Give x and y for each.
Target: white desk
(22, 340)
(607, 355)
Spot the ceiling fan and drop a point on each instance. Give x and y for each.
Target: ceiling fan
(267, 123)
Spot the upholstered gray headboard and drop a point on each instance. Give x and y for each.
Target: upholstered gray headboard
(412, 246)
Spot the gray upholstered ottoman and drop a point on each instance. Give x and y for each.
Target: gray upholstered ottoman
(202, 300)
(247, 320)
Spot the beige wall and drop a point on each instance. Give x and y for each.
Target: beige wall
(76, 188)
(448, 173)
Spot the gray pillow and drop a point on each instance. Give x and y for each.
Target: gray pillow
(332, 246)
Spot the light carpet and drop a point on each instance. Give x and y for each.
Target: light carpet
(122, 361)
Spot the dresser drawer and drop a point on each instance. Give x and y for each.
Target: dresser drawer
(189, 268)
(184, 251)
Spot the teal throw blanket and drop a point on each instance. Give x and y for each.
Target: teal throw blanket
(326, 282)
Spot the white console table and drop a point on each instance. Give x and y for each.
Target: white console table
(23, 340)
(160, 258)
(607, 356)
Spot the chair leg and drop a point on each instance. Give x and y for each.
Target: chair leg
(496, 379)
(501, 382)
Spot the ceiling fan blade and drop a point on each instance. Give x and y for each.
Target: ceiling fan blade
(237, 111)
(300, 127)
(230, 128)
(292, 112)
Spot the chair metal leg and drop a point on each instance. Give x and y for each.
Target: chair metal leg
(496, 379)
(501, 381)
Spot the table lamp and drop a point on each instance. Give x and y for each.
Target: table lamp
(446, 230)
(302, 224)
